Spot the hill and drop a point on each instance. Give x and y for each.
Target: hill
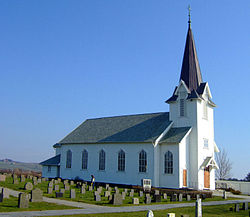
(11, 164)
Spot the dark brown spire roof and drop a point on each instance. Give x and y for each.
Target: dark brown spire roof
(190, 71)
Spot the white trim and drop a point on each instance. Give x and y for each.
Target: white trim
(185, 86)
(163, 134)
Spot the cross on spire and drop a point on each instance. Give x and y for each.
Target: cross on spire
(189, 15)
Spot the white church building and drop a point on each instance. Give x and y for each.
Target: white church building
(174, 149)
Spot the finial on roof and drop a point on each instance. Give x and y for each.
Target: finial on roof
(189, 15)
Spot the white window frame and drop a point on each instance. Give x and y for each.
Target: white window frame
(85, 159)
(168, 163)
(205, 143)
(121, 161)
(102, 159)
(143, 161)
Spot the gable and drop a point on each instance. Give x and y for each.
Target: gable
(128, 128)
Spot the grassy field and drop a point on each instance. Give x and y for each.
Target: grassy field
(208, 211)
(11, 205)
(23, 166)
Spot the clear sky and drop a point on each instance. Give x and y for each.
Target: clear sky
(62, 62)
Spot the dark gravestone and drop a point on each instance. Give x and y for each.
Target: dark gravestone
(173, 197)
(59, 194)
(203, 196)
(157, 198)
(23, 201)
(245, 206)
(117, 199)
(237, 207)
(1, 197)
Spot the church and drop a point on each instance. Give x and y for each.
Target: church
(173, 149)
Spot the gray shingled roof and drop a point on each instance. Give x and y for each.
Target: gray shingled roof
(128, 128)
(175, 135)
(54, 161)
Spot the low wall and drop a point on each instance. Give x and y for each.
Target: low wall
(244, 187)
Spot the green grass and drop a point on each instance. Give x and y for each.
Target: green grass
(208, 211)
(11, 205)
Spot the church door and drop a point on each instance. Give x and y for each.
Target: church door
(206, 178)
(184, 178)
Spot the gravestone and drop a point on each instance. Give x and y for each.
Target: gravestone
(116, 188)
(15, 181)
(106, 186)
(106, 193)
(224, 195)
(72, 182)
(59, 194)
(188, 197)
(83, 191)
(117, 199)
(65, 182)
(109, 189)
(131, 194)
(6, 193)
(198, 208)
(97, 197)
(29, 196)
(36, 195)
(165, 196)
(157, 192)
(28, 186)
(2, 178)
(180, 197)
(132, 190)
(141, 193)
(126, 190)
(150, 213)
(245, 206)
(22, 178)
(90, 188)
(197, 196)
(66, 187)
(50, 184)
(50, 190)
(173, 197)
(237, 207)
(99, 189)
(72, 193)
(135, 200)
(56, 187)
(123, 195)
(1, 197)
(83, 185)
(96, 192)
(43, 179)
(23, 201)
(171, 215)
(59, 180)
(157, 198)
(55, 182)
(117, 191)
(35, 182)
(110, 197)
(39, 180)
(62, 190)
(147, 199)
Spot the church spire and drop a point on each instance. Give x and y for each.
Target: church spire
(190, 71)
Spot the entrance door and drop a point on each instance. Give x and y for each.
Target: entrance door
(206, 178)
(184, 178)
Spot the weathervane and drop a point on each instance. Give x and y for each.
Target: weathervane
(189, 15)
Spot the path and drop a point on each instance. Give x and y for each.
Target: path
(92, 209)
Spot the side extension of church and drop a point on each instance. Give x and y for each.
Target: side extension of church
(174, 149)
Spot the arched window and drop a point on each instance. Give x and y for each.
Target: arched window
(69, 159)
(121, 161)
(142, 161)
(102, 160)
(168, 162)
(84, 159)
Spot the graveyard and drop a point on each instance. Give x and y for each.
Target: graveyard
(33, 189)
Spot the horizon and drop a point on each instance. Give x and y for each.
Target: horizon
(62, 63)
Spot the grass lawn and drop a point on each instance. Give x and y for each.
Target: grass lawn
(208, 211)
(11, 205)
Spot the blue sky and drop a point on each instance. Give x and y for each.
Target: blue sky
(62, 62)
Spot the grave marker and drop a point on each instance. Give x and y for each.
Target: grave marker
(97, 197)
(28, 186)
(135, 200)
(50, 190)
(56, 187)
(6, 193)
(23, 201)
(1, 197)
(150, 213)
(180, 197)
(36, 195)
(72, 193)
(198, 208)
(237, 207)
(59, 194)
(117, 199)
(2, 178)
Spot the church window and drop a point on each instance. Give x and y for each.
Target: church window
(168, 162)
(84, 159)
(121, 161)
(205, 143)
(205, 110)
(102, 160)
(49, 169)
(142, 161)
(182, 107)
(69, 159)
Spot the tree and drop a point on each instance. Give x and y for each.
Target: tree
(224, 164)
(247, 177)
